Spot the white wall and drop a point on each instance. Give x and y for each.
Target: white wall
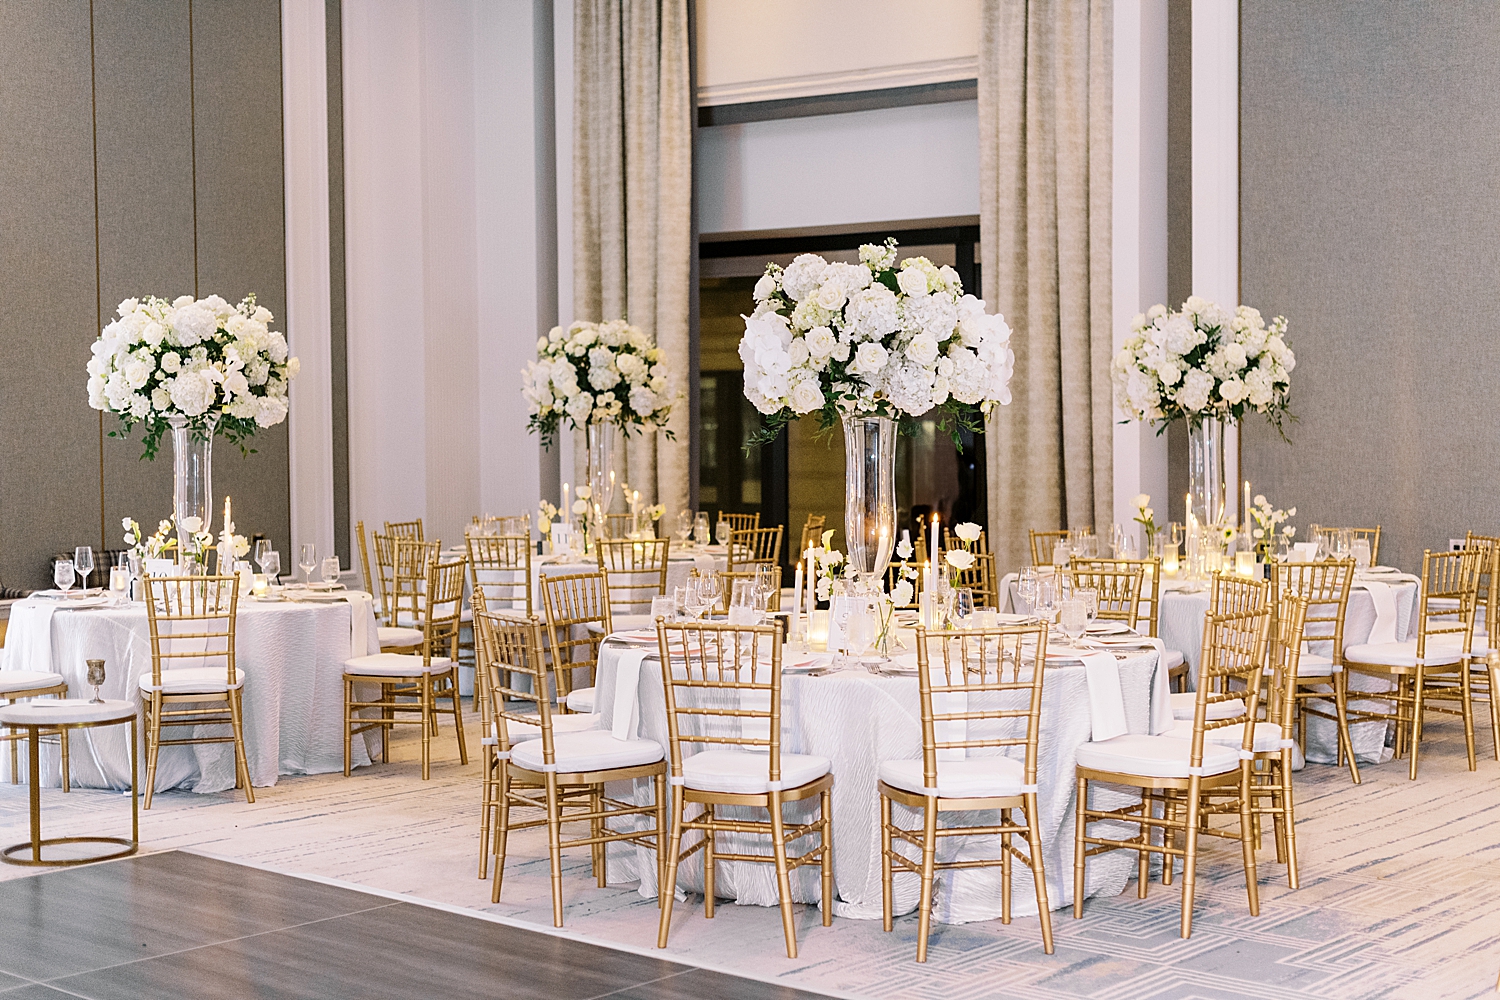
(868, 166)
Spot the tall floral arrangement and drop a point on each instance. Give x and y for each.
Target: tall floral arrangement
(219, 366)
(1202, 361)
(872, 338)
(603, 373)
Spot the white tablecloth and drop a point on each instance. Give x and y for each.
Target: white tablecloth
(858, 719)
(292, 655)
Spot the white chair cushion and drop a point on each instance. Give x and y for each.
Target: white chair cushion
(1185, 703)
(1175, 659)
(581, 699)
(27, 680)
(394, 665)
(1314, 665)
(195, 680)
(592, 750)
(742, 773)
(1403, 654)
(1154, 756)
(391, 635)
(970, 778)
(1267, 735)
(520, 732)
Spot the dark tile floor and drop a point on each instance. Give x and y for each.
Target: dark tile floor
(177, 925)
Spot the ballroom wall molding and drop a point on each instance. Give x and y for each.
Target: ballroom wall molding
(846, 81)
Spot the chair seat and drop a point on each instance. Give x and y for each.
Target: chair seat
(581, 699)
(395, 665)
(393, 635)
(195, 680)
(520, 732)
(1175, 659)
(970, 778)
(1154, 756)
(1185, 703)
(27, 680)
(741, 773)
(1268, 737)
(592, 750)
(1403, 654)
(1314, 665)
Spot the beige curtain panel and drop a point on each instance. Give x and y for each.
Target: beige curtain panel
(1045, 107)
(632, 189)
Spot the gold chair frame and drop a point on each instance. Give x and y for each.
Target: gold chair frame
(513, 645)
(741, 522)
(1234, 649)
(812, 532)
(202, 602)
(1326, 585)
(441, 622)
(1041, 555)
(754, 545)
(410, 562)
(569, 601)
(710, 660)
(1119, 586)
(502, 554)
(635, 570)
(1484, 677)
(404, 530)
(968, 667)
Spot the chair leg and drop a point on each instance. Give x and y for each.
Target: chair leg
(486, 806)
(1190, 857)
(554, 847)
(597, 827)
(1005, 849)
(1038, 870)
(825, 859)
(15, 758)
(1416, 712)
(885, 862)
(1494, 697)
(1341, 706)
(666, 893)
(386, 731)
(429, 720)
(929, 859)
(67, 779)
(242, 762)
(502, 827)
(710, 836)
(1289, 819)
(1079, 847)
(783, 876)
(1466, 693)
(153, 743)
(348, 724)
(663, 827)
(1143, 856)
(458, 719)
(1247, 842)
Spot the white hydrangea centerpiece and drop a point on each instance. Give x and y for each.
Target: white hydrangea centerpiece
(1202, 361)
(221, 367)
(602, 373)
(874, 339)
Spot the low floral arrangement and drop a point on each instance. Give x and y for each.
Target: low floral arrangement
(1145, 516)
(602, 373)
(871, 338)
(1201, 361)
(546, 513)
(153, 547)
(1270, 526)
(221, 367)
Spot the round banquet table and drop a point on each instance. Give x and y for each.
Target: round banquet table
(858, 719)
(291, 653)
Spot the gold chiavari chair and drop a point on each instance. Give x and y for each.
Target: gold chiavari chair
(559, 772)
(754, 545)
(1119, 587)
(381, 582)
(385, 577)
(409, 530)
(727, 579)
(500, 574)
(1434, 665)
(1176, 772)
(975, 694)
(952, 541)
(980, 578)
(723, 689)
(618, 525)
(1484, 677)
(578, 618)
(1042, 544)
(429, 676)
(1229, 593)
(1148, 615)
(192, 621)
(634, 572)
(812, 532)
(1320, 678)
(741, 522)
(373, 584)
(410, 560)
(1371, 535)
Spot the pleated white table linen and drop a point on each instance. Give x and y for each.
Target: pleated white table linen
(292, 654)
(858, 720)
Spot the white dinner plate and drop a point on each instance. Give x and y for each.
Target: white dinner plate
(635, 637)
(316, 596)
(1108, 628)
(83, 603)
(1380, 571)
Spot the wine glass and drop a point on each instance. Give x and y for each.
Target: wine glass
(330, 569)
(710, 590)
(722, 531)
(684, 526)
(307, 560)
(1174, 532)
(83, 563)
(963, 606)
(62, 574)
(697, 601)
(1026, 586)
(700, 528)
(270, 565)
(262, 546)
(1045, 605)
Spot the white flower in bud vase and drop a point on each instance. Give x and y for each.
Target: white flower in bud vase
(192, 525)
(904, 549)
(959, 559)
(901, 593)
(968, 531)
(580, 506)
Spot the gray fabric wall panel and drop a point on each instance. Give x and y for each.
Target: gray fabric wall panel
(242, 222)
(1369, 217)
(49, 476)
(142, 75)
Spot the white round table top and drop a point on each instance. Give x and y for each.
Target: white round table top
(66, 712)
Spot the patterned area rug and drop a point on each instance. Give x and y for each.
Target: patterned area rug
(1400, 890)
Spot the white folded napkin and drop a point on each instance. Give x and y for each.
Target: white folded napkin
(1384, 629)
(361, 606)
(627, 707)
(1161, 691)
(28, 638)
(1106, 702)
(704, 564)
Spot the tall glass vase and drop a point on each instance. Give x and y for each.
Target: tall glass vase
(192, 478)
(1206, 469)
(870, 493)
(601, 462)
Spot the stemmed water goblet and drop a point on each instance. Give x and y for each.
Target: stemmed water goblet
(1072, 619)
(700, 528)
(270, 564)
(722, 531)
(95, 678)
(963, 607)
(62, 575)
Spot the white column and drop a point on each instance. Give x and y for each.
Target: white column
(304, 95)
(562, 63)
(1140, 223)
(1216, 174)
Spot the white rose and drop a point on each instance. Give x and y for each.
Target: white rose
(829, 296)
(643, 401)
(765, 287)
(869, 359)
(913, 281)
(959, 559)
(1232, 390)
(806, 396)
(968, 531)
(923, 349)
(1142, 499)
(841, 352)
(799, 352)
(820, 341)
(901, 594)
(171, 362)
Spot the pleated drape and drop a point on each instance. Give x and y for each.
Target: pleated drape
(632, 189)
(1045, 107)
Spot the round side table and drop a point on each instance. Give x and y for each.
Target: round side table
(64, 714)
